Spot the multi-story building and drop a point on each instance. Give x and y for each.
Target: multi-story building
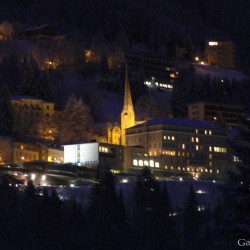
(221, 53)
(156, 70)
(35, 108)
(221, 114)
(179, 146)
(50, 152)
(18, 151)
(35, 117)
(95, 153)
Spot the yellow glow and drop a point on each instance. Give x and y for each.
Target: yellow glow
(196, 58)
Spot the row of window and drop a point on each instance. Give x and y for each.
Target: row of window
(188, 169)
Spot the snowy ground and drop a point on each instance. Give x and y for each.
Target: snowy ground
(217, 72)
(207, 193)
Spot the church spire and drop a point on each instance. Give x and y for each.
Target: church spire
(127, 114)
(128, 104)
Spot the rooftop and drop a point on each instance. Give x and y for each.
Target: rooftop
(178, 122)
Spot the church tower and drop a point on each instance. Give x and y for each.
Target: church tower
(127, 114)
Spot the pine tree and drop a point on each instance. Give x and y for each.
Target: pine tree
(191, 222)
(30, 189)
(6, 112)
(151, 213)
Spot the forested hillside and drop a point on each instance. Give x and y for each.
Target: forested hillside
(159, 26)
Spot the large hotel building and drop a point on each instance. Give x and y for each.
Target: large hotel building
(178, 146)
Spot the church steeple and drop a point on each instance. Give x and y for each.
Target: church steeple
(127, 114)
(128, 104)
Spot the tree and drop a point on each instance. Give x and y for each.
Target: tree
(35, 81)
(147, 108)
(191, 220)
(30, 189)
(77, 121)
(106, 213)
(6, 112)
(151, 214)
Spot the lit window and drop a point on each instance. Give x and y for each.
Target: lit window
(141, 163)
(217, 171)
(196, 131)
(151, 163)
(179, 168)
(172, 167)
(212, 43)
(168, 137)
(206, 170)
(135, 162)
(197, 139)
(192, 139)
(157, 164)
(205, 132)
(210, 132)
(188, 169)
(210, 156)
(166, 167)
(164, 137)
(197, 147)
(173, 138)
(210, 149)
(145, 163)
(183, 169)
(183, 146)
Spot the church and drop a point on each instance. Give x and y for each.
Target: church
(116, 134)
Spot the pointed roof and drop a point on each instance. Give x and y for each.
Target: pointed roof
(128, 104)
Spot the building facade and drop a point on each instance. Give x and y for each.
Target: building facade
(221, 114)
(179, 146)
(221, 53)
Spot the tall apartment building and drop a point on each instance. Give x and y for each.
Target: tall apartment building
(155, 69)
(179, 146)
(221, 114)
(221, 53)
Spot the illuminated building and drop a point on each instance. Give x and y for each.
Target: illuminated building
(156, 70)
(32, 107)
(179, 146)
(221, 114)
(221, 53)
(51, 153)
(115, 134)
(92, 154)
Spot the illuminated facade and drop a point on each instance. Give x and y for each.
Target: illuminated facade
(35, 108)
(95, 153)
(221, 114)
(179, 146)
(127, 114)
(221, 53)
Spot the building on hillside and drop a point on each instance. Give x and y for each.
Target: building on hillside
(179, 146)
(6, 149)
(13, 150)
(156, 70)
(220, 114)
(35, 116)
(92, 154)
(24, 152)
(50, 152)
(221, 53)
